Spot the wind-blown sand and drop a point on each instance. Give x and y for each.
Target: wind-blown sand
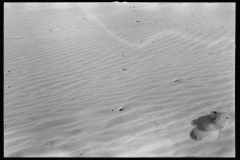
(119, 80)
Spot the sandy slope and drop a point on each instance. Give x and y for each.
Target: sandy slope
(118, 80)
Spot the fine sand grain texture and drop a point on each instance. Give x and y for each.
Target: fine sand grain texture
(119, 80)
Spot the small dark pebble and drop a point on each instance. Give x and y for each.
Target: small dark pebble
(112, 110)
(137, 21)
(214, 112)
(176, 81)
(124, 69)
(121, 109)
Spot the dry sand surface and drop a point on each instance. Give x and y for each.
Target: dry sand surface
(119, 80)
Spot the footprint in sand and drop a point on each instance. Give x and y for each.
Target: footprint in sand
(208, 126)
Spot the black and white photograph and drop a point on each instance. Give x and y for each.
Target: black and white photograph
(119, 79)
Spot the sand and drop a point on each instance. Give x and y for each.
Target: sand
(119, 80)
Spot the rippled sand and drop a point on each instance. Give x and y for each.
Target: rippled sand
(119, 80)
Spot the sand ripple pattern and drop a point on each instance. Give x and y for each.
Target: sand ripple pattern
(127, 80)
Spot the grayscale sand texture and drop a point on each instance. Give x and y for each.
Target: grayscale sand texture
(119, 79)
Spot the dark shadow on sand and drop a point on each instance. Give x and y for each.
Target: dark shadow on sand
(205, 120)
(202, 123)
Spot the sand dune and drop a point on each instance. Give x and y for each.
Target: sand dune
(119, 80)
